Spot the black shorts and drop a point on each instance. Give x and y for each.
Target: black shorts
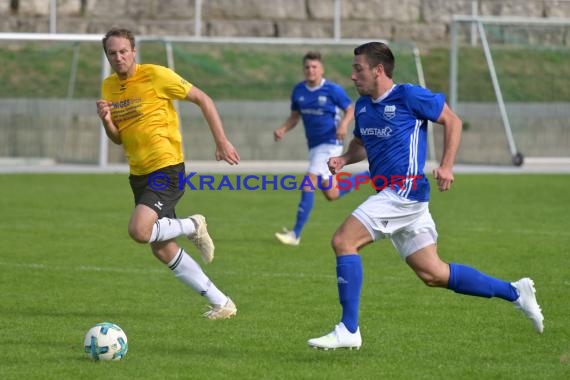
(159, 190)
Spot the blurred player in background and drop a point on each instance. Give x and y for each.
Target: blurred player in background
(391, 131)
(326, 111)
(137, 111)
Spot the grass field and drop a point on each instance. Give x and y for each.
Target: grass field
(67, 263)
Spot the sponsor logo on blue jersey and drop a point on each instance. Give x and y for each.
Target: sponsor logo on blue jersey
(377, 132)
(312, 111)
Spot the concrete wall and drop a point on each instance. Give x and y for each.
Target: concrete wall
(423, 21)
(68, 131)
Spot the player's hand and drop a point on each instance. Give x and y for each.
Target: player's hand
(226, 151)
(104, 110)
(444, 178)
(278, 134)
(340, 134)
(336, 164)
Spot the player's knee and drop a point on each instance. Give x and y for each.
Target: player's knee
(138, 235)
(331, 197)
(340, 244)
(433, 280)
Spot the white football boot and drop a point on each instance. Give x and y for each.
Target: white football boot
(528, 304)
(287, 237)
(340, 337)
(201, 238)
(226, 311)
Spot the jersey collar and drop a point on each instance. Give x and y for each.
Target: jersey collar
(317, 86)
(384, 95)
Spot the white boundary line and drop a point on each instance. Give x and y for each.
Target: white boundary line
(29, 165)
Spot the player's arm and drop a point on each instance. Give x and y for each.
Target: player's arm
(355, 153)
(452, 126)
(104, 112)
(344, 122)
(224, 148)
(289, 124)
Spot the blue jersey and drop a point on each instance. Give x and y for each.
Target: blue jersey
(320, 108)
(394, 132)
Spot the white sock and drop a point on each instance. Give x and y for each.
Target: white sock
(166, 229)
(190, 273)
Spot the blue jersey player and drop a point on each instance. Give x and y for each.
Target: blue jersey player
(390, 130)
(326, 111)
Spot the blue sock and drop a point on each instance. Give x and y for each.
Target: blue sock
(352, 179)
(304, 210)
(349, 280)
(466, 280)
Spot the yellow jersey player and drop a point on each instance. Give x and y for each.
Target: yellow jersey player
(138, 113)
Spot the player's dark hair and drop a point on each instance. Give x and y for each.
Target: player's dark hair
(119, 32)
(377, 53)
(312, 56)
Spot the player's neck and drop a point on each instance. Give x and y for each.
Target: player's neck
(129, 73)
(383, 88)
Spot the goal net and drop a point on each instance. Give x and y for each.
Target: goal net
(47, 100)
(512, 89)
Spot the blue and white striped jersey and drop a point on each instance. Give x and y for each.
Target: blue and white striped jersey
(394, 132)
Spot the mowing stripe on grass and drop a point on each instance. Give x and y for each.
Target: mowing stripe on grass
(83, 268)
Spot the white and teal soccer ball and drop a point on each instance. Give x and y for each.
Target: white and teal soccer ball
(106, 341)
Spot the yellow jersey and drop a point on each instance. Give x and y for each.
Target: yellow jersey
(144, 113)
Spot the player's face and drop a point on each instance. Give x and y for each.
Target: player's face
(121, 56)
(363, 76)
(314, 71)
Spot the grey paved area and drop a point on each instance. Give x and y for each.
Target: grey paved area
(538, 166)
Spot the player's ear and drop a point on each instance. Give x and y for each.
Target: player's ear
(379, 68)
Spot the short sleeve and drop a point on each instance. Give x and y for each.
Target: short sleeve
(169, 84)
(341, 98)
(423, 103)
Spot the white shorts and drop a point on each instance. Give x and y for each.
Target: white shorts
(319, 156)
(408, 224)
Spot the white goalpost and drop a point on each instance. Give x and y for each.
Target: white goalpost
(526, 123)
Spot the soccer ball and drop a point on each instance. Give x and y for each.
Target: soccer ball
(106, 341)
